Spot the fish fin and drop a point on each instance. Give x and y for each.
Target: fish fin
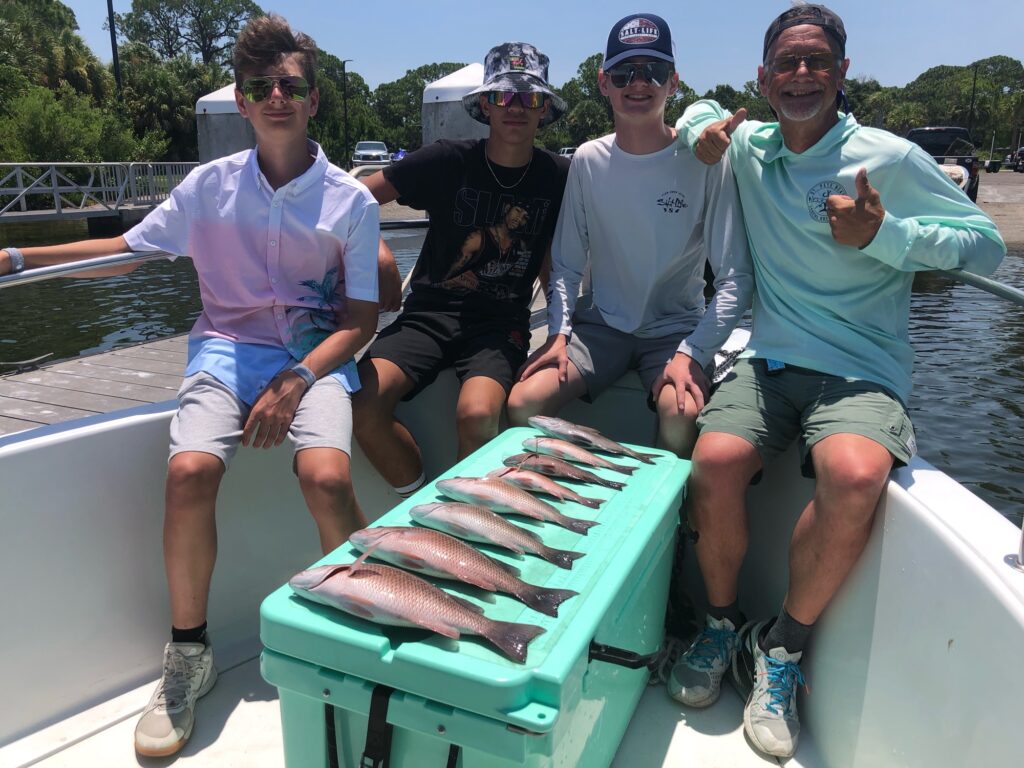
(563, 558)
(623, 469)
(359, 610)
(504, 566)
(576, 525)
(499, 472)
(591, 430)
(646, 458)
(611, 484)
(466, 603)
(545, 600)
(411, 562)
(511, 638)
(435, 625)
(587, 502)
(361, 559)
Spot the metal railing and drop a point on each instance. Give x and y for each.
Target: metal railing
(72, 190)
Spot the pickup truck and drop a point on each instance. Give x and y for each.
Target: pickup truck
(953, 148)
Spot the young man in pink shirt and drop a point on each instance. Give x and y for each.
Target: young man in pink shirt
(285, 245)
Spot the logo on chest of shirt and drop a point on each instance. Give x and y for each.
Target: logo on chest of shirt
(672, 201)
(818, 196)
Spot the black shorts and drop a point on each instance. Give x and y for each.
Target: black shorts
(425, 342)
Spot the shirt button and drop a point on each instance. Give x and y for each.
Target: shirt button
(277, 203)
(273, 242)
(273, 280)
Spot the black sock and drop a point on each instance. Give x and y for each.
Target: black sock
(785, 632)
(194, 635)
(730, 612)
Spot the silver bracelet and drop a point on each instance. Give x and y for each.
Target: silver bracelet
(17, 259)
(305, 373)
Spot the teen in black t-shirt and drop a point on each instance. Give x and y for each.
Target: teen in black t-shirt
(493, 205)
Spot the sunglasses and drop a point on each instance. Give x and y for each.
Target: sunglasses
(259, 88)
(527, 99)
(656, 73)
(822, 61)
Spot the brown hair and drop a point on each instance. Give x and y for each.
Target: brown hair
(265, 41)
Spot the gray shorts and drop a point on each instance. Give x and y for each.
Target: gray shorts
(210, 418)
(617, 352)
(770, 411)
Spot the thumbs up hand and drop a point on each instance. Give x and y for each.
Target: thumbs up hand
(715, 139)
(856, 222)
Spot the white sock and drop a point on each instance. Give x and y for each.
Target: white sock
(405, 491)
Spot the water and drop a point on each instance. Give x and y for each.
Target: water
(968, 377)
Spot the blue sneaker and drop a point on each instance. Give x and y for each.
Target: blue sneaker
(770, 717)
(696, 679)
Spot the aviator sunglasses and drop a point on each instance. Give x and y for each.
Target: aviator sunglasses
(654, 72)
(259, 88)
(820, 61)
(527, 99)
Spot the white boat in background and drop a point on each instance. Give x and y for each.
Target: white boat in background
(916, 662)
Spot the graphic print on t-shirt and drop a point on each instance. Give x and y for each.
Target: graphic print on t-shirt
(498, 249)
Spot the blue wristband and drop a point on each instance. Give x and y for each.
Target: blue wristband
(305, 373)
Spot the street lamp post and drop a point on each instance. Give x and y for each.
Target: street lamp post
(344, 107)
(113, 46)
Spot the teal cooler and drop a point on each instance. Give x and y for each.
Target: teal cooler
(440, 702)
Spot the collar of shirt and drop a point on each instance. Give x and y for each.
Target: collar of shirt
(312, 175)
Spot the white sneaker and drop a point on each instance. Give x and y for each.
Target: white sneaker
(696, 679)
(770, 718)
(166, 722)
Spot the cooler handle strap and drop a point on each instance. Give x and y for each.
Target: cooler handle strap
(621, 657)
(377, 752)
(453, 755)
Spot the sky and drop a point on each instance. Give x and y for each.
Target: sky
(716, 42)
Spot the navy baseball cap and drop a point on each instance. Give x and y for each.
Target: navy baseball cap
(815, 15)
(639, 34)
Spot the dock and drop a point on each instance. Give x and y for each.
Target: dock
(150, 372)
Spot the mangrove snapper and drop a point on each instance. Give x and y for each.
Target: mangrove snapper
(390, 596)
(563, 449)
(555, 467)
(437, 554)
(474, 523)
(585, 436)
(529, 480)
(499, 496)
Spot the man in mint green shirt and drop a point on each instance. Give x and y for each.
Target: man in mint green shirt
(839, 217)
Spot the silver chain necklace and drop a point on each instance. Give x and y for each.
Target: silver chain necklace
(495, 176)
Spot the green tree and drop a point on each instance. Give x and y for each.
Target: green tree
(328, 126)
(399, 104)
(64, 126)
(201, 28)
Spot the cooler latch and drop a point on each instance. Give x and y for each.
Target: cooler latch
(622, 657)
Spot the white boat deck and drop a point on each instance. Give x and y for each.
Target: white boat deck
(238, 726)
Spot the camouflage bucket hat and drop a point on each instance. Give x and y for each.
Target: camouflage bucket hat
(515, 67)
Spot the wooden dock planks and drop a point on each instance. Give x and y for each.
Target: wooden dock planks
(109, 381)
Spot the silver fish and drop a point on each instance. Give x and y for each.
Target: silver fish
(529, 480)
(390, 596)
(437, 554)
(555, 467)
(474, 523)
(563, 449)
(499, 496)
(586, 436)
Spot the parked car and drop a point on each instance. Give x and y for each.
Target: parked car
(371, 153)
(567, 152)
(953, 148)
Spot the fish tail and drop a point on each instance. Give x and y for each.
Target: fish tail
(545, 600)
(646, 458)
(611, 484)
(622, 469)
(587, 502)
(511, 638)
(580, 526)
(563, 558)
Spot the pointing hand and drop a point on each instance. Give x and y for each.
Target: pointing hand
(856, 222)
(716, 138)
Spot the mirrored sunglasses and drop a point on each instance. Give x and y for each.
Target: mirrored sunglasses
(527, 99)
(656, 73)
(259, 88)
(821, 61)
